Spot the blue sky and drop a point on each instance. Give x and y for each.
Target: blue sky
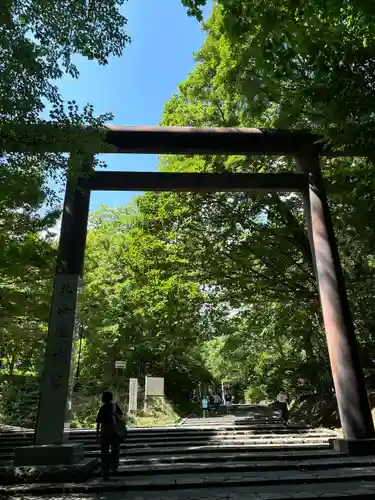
(136, 86)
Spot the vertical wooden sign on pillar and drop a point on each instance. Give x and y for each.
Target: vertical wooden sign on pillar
(72, 378)
(347, 374)
(56, 377)
(57, 361)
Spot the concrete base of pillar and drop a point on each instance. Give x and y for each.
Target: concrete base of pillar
(354, 446)
(49, 454)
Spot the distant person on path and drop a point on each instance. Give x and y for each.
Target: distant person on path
(228, 398)
(204, 406)
(107, 434)
(282, 400)
(211, 400)
(216, 402)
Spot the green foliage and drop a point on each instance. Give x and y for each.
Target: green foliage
(19, 400)
(38, 41)
(253, 253)
(307, 64)
(255, 394)
(84, 411)
(138, 304)
(158, 414)
(194, 8)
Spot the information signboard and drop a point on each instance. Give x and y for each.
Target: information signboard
(154, 386)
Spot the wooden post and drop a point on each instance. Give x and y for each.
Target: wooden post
(347, 374)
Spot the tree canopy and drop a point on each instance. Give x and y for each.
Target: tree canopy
(38, 41)
(301, 64)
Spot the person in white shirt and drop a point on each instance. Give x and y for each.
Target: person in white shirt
(282, 400)
(204, 404)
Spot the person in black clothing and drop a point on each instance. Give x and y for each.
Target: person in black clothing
(106, 434)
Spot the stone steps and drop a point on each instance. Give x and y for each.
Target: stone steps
(188, 443)
(323, 478)
(258, 438)
(267, 440)
(248, 465)
(224, 456)
(235, 422)
(254, 455)
(184, 433)
(334, 491)
(207, 479)
(178, 430)
(218, 448)
(214, 440)
(213, 449)
(144, 433)
(197, 440)
(227, 444)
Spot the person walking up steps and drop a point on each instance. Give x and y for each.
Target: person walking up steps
(282, 400)
(110, 432)
(204, 406)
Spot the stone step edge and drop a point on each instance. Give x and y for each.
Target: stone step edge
(189, 444)
(220, 443)
(184, 437)
(214, 457)
(220, 449)
(214, 449)
(189, 430)
(239, 439)
(176, 427)
(212, 440)
(180, 430)
(150, 459)
(204, 449)
(180, 468)
(94, 486)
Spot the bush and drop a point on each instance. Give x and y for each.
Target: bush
(84, 411)
(159, 413)
(255, 394)
(19, 397)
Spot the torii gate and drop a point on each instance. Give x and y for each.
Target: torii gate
(347, 374)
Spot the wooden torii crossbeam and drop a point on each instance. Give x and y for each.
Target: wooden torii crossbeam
(48, 137)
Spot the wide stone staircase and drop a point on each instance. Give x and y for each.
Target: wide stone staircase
(245, 453)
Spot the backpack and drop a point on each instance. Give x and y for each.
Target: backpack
(118, 424)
